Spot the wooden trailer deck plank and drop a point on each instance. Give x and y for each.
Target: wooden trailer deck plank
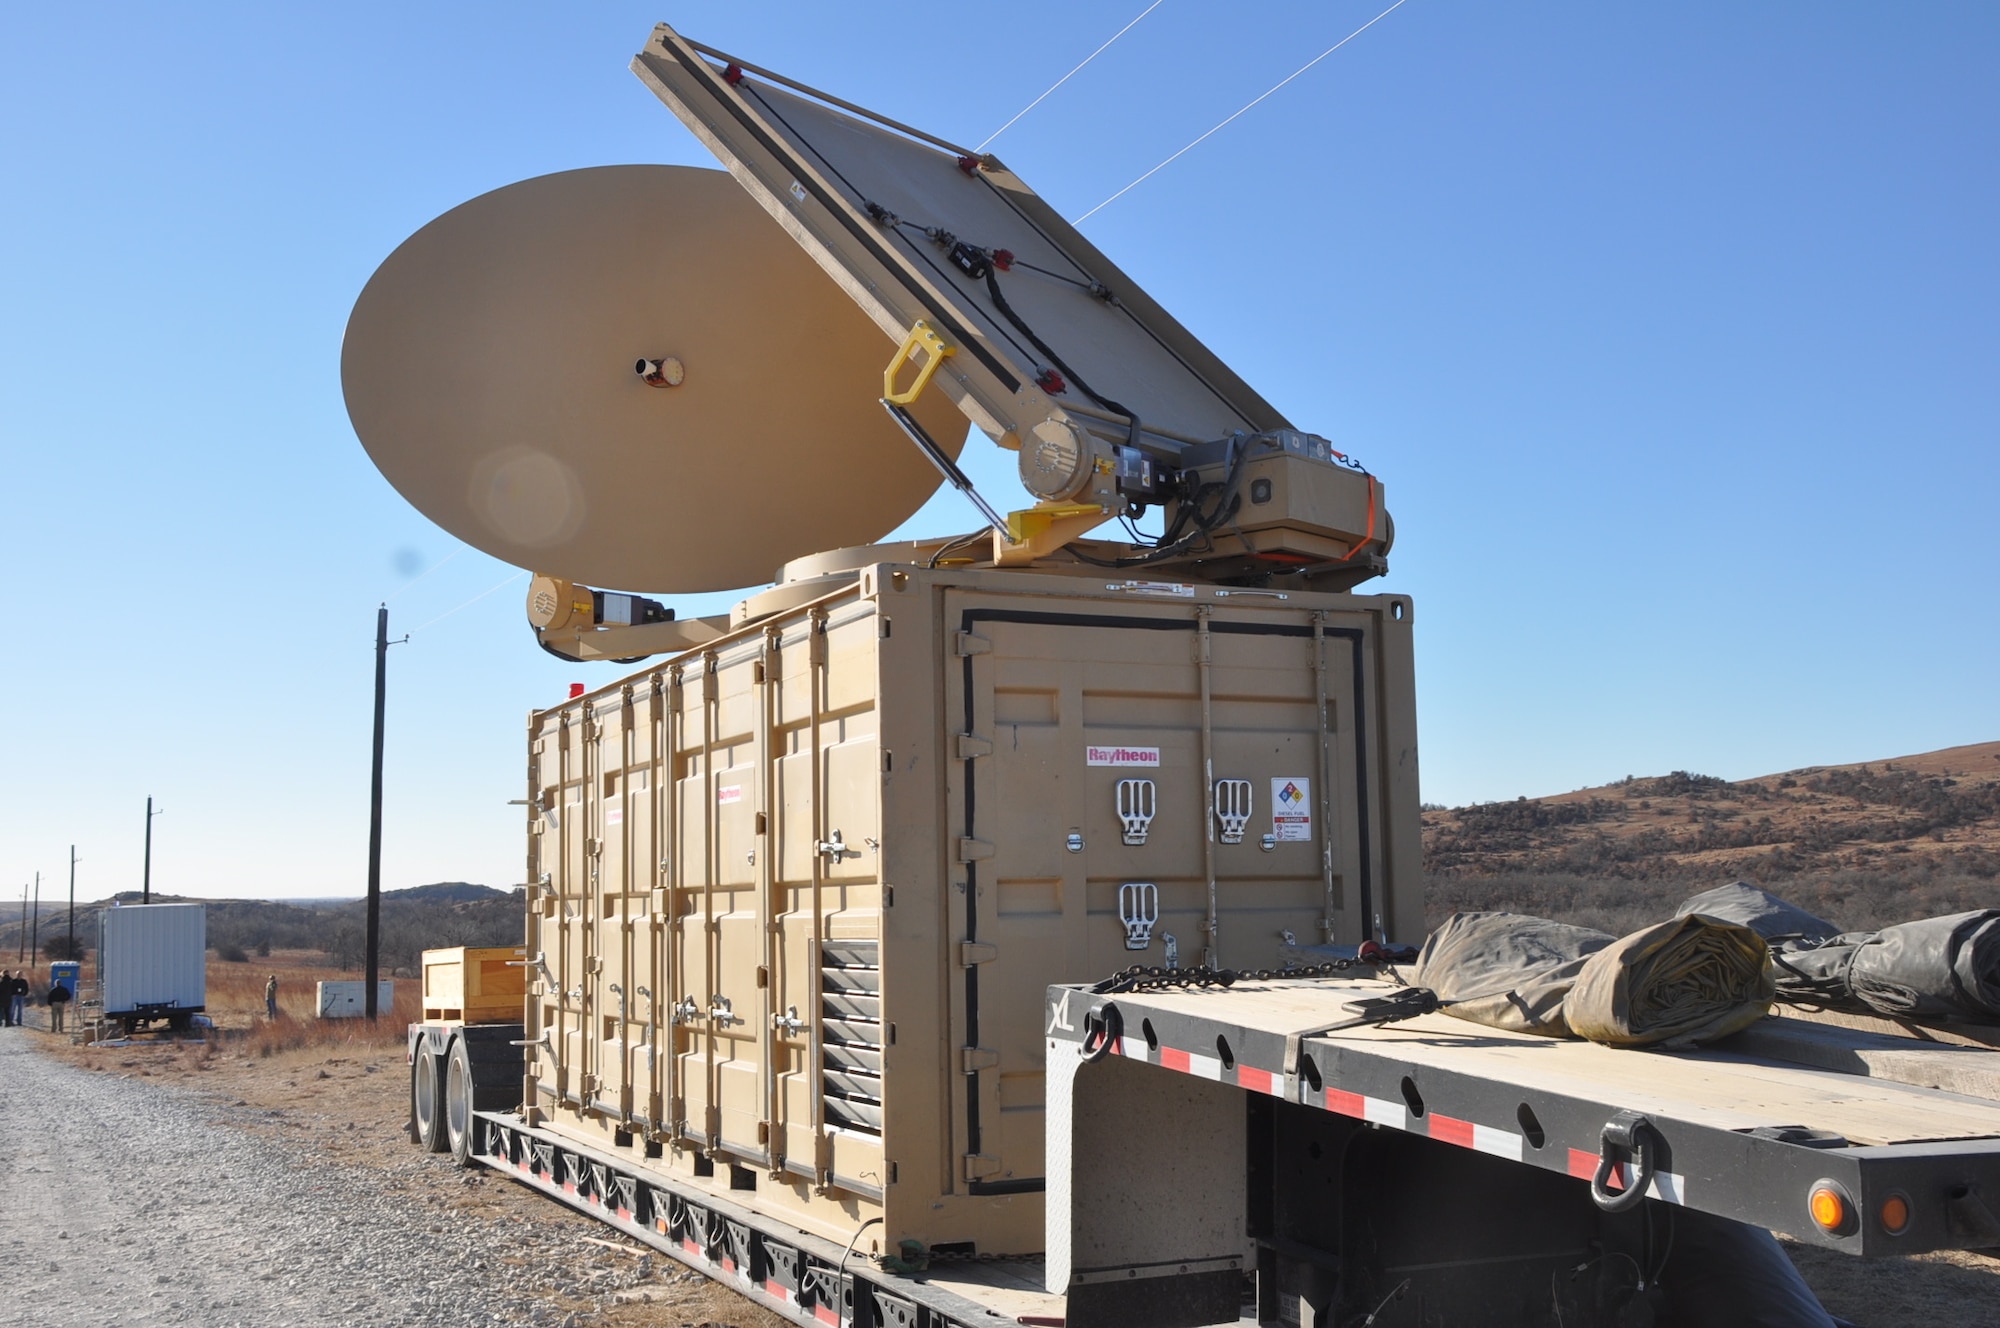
(1705, 1086)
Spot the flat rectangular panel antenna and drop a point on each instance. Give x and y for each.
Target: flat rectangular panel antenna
(908, 223)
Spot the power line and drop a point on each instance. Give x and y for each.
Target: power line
(1071, 74)
(421, 575)
(469, 603)
(1294, 74)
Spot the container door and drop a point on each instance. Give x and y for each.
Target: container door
(1080, 796)
(649, 991)
(736, 1002)
(568, 907)
(606, 978)
(688, 934)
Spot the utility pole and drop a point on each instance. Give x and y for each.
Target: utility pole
(35, 935)
(72, 903)
(374, 943)
(146, 882)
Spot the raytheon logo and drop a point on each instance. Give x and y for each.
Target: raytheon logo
(1121, 755)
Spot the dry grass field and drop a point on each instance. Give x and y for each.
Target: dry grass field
(236, 1004)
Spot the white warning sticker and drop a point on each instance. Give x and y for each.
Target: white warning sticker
(729, 793)
(1121, 756)
(614, 816)
(1291, 808)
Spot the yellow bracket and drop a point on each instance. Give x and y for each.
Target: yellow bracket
(921, 338)
(1035, 532)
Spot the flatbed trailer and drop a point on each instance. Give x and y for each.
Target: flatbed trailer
(1464, 1165)
(1217, 1158)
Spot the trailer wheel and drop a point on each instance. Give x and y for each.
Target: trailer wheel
(426, 1094)
(458, 1121)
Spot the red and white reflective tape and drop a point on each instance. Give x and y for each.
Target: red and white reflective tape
(1666, 1185)
(1395, 1115)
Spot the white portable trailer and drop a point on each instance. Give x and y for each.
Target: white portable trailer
(153, 964)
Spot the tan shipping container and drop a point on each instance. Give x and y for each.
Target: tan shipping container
(796, 897)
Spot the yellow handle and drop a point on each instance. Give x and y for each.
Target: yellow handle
(921, 338)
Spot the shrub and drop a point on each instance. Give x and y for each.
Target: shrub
(229, 952)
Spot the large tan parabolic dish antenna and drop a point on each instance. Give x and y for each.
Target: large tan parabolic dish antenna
(489, 371)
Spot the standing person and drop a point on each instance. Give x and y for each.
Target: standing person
(17, 999)
(6, 998)
(271, 998)
(58, 1002)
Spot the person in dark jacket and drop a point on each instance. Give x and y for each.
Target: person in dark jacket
(6, 998)
(17, 999)
(58, 1002)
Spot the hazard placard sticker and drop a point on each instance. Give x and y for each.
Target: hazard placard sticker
(1121, 755)
(1291, 808)
(729, 793)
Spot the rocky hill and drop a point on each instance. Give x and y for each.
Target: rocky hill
(1870, 842)
(413, 920)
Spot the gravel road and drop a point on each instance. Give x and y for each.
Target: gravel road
(134, 1204)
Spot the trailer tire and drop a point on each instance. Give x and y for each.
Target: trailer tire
(427, 1101)
(459, 1124)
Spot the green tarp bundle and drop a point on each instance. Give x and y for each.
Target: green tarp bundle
(1934, 970)
(1678, 983)
(1506, 970)
(1931, 970)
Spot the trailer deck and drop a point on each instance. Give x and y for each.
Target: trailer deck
(1738, 1136)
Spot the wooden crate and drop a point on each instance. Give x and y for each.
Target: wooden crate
(474, 984)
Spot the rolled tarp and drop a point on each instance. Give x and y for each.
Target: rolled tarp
(1506, 970)
(1933, 970)
(1678, 983)
(1759, 910)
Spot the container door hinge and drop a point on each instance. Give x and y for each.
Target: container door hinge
(978, 1058)
(978, 1165)
(968, 645)
(971, 745)
(977, 952)
(974, 850)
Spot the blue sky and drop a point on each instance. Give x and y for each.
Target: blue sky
(1671, 330)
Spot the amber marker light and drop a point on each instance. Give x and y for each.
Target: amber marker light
(1831, 1209)
(1894, 1214)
